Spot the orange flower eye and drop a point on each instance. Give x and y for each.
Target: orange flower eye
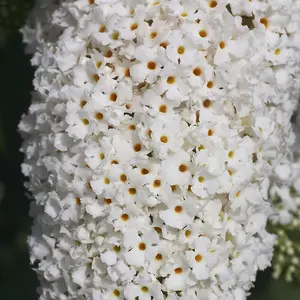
(203, 33)
(207, 103)
(178, 209)
(83, 103)
(137, 147)
(158, 257)
(144, 171)
(157, 183)
(164, 139)
(264, 21)
(127, 72)
(158, 229)
(96, 77)
(151, 65)
(115, 35)
(107, 201)
(164, 45)
(174, 188)
(178, 270)
(163, 108)
(210, 84)
(124, 217)
(222, 45)
(213, 4)
(134, 26)
(132, 191)
(108, 54)
(123, 177)
(197, 72)
(153, 35)
(142, 246)
(170, 79)
(180, 50)
(198, 258)
(86, 122)
(99, 116)
(187, 233)
(113, 97)
(183, 168)
(102, 29)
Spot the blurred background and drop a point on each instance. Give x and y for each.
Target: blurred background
(17, 281)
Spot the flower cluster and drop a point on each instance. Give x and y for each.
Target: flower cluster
(286, 255)
(285, 188)
(285, 222)
(285, 193)
(153, 129)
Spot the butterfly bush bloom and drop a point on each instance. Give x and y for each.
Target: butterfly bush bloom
(153, 130)
(285, 193)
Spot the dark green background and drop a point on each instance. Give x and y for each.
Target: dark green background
(17, 281)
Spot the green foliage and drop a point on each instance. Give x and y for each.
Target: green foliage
(286, 261)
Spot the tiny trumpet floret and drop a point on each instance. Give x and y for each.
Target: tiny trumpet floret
(153, 130)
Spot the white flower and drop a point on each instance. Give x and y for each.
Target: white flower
(204, 185)
(175, 169)
(202, 259)
(179, 49)
(178, 275)
(176, 217)
(167, 134)
(149, 66)
(138, 247)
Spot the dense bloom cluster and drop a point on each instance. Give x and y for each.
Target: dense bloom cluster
(153, 129)
(285, 222)
(285, 188)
